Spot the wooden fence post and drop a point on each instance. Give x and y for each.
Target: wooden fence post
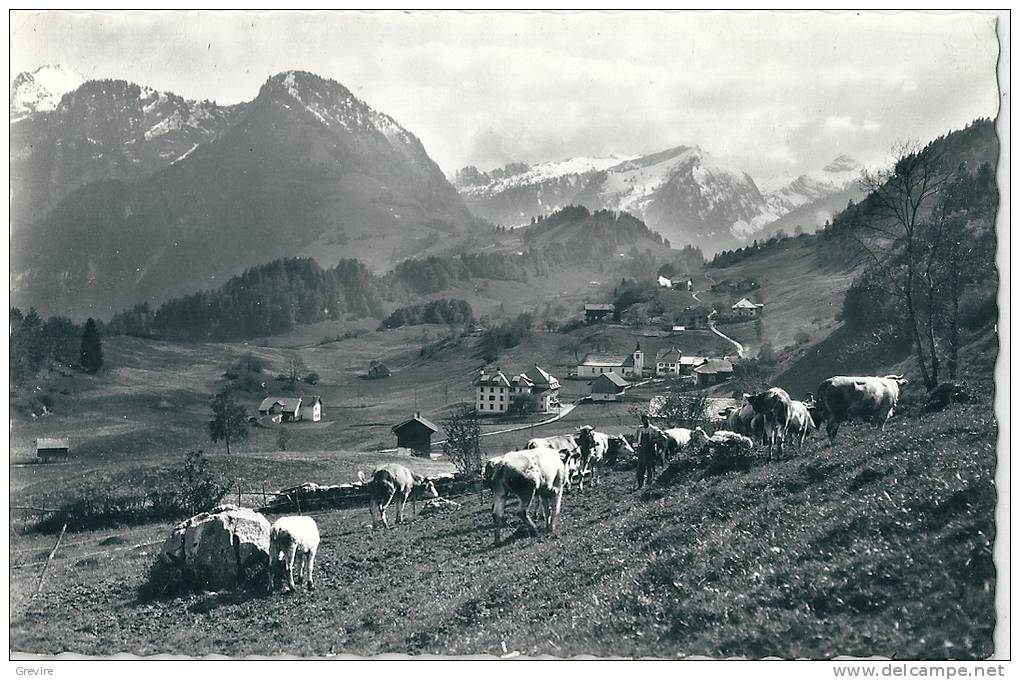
(49, 559)
(239, 493)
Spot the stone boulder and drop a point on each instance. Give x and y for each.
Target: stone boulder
(222, 549)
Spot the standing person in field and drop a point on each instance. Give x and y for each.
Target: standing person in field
(648, 437)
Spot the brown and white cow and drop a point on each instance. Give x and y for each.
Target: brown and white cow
(394, 481)
(841, 398)
(527, 474)
(743, 420)
(774, 405)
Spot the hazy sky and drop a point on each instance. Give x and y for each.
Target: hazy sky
(772, 93)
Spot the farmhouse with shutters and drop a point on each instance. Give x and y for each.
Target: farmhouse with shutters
(494, 392)
(291, 409)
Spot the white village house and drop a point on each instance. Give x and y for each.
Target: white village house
(630, 365)
(494, 392)
(745, 307)
(291, 409)
(668, 362)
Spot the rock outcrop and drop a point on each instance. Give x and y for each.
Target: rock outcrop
(225, 548)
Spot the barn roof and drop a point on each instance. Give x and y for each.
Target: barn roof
(52, 443)
(417, 418)
(670, 356)
(289, 404)
(607, 360)
(542, 379)
(310, 401)
(715, 366)
(692, 361)
(747, 304)
(598, 307)
(611, 377)
(497, 379)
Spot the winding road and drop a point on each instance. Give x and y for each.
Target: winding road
(741, 350)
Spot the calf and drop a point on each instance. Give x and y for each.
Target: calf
(290, 538)
(801, 422)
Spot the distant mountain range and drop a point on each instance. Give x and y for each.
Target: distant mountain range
(683, 193)
(124, 194)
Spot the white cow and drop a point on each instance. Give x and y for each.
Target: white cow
(289, 538)
(844, 397)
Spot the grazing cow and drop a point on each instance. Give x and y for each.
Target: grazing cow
(801, 422)
(570, 453)
(720, 438)
(774, 405)
(677, 439)
(394, 481)
(564, 443)
(527, 474)
(744, 420)
(598, 448)
(843, 397)
(292, 537)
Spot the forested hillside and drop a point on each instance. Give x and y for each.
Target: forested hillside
(273, 298)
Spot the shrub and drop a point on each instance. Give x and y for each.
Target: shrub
(111, 502)
(522, 405)
(978, 307)
(312, 378)
(282, 439)
(462, 436)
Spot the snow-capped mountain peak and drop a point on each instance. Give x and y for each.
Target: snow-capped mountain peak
(838, 175)
(332, 104)
(42, 89)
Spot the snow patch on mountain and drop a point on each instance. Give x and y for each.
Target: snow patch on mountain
(334, 105)
(838, 175)
(42, 89)
(472, 181)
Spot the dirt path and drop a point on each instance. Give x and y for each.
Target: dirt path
(741, 350)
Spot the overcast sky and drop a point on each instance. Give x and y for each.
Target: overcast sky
(771, 93)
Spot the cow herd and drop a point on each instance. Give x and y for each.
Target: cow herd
(547, 466)
(772, 416)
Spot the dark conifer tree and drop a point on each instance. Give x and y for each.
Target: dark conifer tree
(91, 347)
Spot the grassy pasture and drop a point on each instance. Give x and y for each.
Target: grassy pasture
(880, 545)
(799, 293)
